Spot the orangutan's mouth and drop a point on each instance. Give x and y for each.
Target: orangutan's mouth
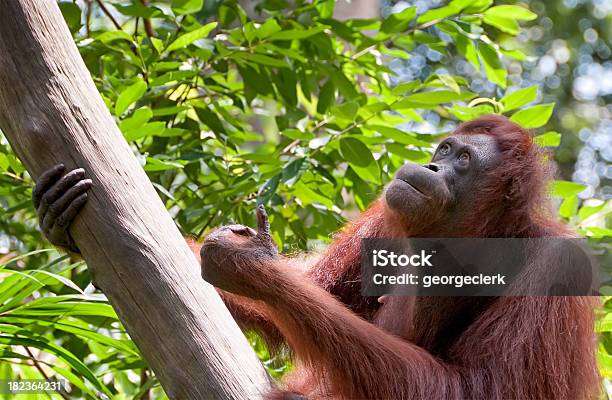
(416, 189)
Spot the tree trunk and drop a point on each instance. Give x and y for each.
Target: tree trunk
(51, 112)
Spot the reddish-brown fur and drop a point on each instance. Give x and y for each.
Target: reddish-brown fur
(441, 348)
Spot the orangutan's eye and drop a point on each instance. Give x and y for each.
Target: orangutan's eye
(464, 157)
(444, 149)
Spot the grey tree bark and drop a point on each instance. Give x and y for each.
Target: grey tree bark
(51, 112)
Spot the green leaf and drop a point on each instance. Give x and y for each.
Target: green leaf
(155, 164)
(515, 54)
(137, 119)
(249, 31)
(594, 231)
(432, 98)
(587, 211)
(4, 162)
(449, 82)
(405, 87)
(269, 28)
(519, 98)
(326, 97)
(74, 380)
(65, 281)
(504, 24)
(297, 33)
(297, 134)
(533, 117)
(181, 7)
(293, 169)
(72, 15)
(325, 7)
(565, 189)
(604, 324)
(511, 11)
(398, 22)
(268, 189)
(466, 47)
(370, 173)
(308, 195)
(548, 139)
(188, 38)
(149, 129)
(453, 8)
(58, 305)
(569, 207)
(169, 110)
(399, 136)
(158, 44)
(166, 65)
(417, 156)
(470, 113)
(15, 164)
(286, 82)
(355, 152)
(79, 329)
(345, 86)
(255, 82)
(264, 158)
(494, 69)
(211, 119)
(395, 52)
(264, 60)
(136, 9)
(478, 6)
(346, 111)
(129, 96)
(108, 37)
(169, 132)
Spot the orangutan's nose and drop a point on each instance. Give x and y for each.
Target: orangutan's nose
(433, 167)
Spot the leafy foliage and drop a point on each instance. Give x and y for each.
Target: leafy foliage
(283, 106)
(287, 111)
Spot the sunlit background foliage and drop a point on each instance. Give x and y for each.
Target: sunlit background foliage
(308, 108)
